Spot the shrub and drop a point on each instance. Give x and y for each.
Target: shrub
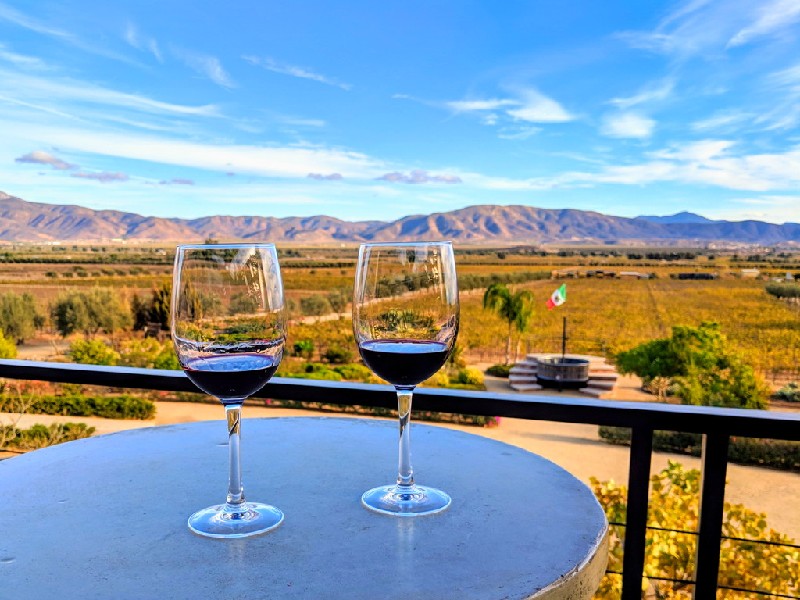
(7, 347)
(304, 348)
(77, 405)
(789, 393)
(338, 355)
(93, 352)
(40, 436)
(354, 372)
(499, 370)
(324, 375)
(469, 376)
(670, 559)
(703, 367)
(779, 454)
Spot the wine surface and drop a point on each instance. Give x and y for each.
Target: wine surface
(231, 376)
(403, 362)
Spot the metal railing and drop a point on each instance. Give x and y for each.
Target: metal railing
(716, 425)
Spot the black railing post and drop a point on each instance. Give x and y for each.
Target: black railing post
(712, 500)
(636, 517)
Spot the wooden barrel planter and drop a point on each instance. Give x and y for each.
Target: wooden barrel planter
(557, 372)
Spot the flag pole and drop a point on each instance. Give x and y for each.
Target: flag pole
(564, 341)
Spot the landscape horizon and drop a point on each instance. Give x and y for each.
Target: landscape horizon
(487, 224)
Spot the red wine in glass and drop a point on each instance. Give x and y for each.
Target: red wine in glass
(403, 362)
(231, 375)
(405, 321)
(229, 330)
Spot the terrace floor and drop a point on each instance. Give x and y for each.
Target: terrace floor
(575, 447)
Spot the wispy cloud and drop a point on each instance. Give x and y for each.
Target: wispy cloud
(32, 89)
(723, 120)
(23, 61)
(279, 161)
(298, 122)
(715, 163)
(176, 181)
(526, 105)
(20, 19)
(270, 64)
(519, 133)
(627, 125)
(418, 176)
(770, 208)
(535, 107)
(102, 176)
(328, 177)
(135, 38)
(39, 157)
(772, 17)
(652, 93)
(207, 66)
(473, 105)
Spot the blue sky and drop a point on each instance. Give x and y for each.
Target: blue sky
(376, 110)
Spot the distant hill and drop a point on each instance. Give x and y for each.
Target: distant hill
(681, 217)
(22, 221)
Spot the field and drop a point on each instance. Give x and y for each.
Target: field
(604, 314)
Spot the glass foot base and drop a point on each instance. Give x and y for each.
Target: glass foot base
(221, 521)
(405, 501)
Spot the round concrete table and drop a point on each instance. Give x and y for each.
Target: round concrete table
(106, 517)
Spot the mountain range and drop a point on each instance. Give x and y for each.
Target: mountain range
(22, 221)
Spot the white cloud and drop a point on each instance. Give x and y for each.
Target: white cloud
(44, 158)
(538, 108)
(256, 160)
(653, 93)
(142, 42)
(25, 88)
(478, 105)
(769, 208)
(298, 122)
(773, 16)
(102, 176)
(270, 64)
(627, 125)
(519, 133)
(418, 176)
(206, 65)
(15, 17)
(722, 120)
(21, 60)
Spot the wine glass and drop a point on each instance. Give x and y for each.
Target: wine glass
(229, 330)
(405, 319)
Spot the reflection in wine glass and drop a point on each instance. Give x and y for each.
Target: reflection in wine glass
(229, 330)
(405, 319)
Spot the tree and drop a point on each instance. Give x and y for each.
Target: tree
(674, 508)
(705, 370)
(516, 309)
(156, 310)
(18, 316)
(89, 312)
(338, 300)
(315, 305)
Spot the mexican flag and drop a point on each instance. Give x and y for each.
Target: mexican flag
(558, 298)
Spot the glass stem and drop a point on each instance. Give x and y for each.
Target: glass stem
(235, 500)
(405, 475)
